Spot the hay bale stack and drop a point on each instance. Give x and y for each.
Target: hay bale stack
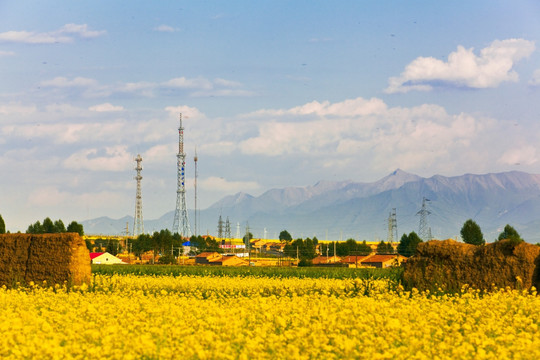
(55, 258)
(449, 265)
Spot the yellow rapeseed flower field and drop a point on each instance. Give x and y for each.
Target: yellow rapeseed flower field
(210, 317)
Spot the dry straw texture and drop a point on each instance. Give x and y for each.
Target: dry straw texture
(55, 258)
(449, 265)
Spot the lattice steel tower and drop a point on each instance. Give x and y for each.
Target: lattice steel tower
(181, 223)
(195, 159)
(392, 226)
(138, 225)
(424, 231)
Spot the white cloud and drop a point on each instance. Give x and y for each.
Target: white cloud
(345, 134)
(464, 69)
(227, 83)
(51, 197)
(184, 83)
(535, 81)
(187, 111)
(106, 107)
(114, 158)
(66, 34)
(81, 30)
(166, 28)
(17, 109)
(162, 153)
(91, 88)
(6, 53)
(524, 155)
(220, 184)
(218, 148)
(350, 107)
(62, 82)
(223, 93)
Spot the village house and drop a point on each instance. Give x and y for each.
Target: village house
(214, 258)
(205, 258)
(383, 261)
(105, 258)
(327, 261)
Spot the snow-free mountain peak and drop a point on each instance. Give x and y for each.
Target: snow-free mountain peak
(395, 180)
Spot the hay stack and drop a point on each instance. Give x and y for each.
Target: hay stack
(449, 265)
(55, 258)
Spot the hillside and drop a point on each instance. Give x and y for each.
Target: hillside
(346, 209)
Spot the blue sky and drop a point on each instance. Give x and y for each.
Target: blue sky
(275, 94)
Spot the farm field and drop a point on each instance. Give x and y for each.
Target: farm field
(212, 315)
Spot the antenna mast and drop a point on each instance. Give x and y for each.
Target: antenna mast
(138, 226)
(181, 223)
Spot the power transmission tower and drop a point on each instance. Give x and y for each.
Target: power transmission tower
(227, 228)
(392, 227)
(195, 159)
(181, 223)
(424, 231)
(138, 226)
(220, 228)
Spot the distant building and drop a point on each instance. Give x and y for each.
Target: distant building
(327, 261)
(205, 258)
(383, 261)
(105, 258)
(214, 258)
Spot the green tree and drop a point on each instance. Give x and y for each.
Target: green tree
(2, 225)
(510, 233)
(35, 228)
(76, 228)
(305, 249)
(384, 248)
(247, 238)
(89, 245)
(471, 233)
(112, 247)
(59, 226)
(408, 243)
(48, 226)
(142, 244)
(285, 236)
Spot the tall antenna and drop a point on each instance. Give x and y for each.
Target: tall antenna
(424, 231)
(195, 159)
(181, 223)
(138, 226)
(392, 226)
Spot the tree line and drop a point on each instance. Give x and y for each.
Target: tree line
(50, 227)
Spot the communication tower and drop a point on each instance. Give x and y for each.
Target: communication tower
(181, 223)
(392, 226)
(138, 226)
(424, 231)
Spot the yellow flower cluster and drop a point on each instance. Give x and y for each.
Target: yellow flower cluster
(207, 317)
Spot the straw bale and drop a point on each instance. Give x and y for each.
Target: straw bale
(449, 265)
(55, 258)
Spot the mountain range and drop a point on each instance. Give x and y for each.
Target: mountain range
(348, 209)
